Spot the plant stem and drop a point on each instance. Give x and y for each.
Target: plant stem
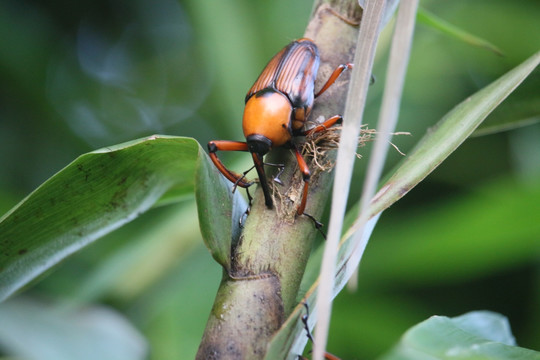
(268, 262)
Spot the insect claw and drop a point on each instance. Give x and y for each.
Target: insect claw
(244, 216)
(250, 198)
(305, 322)
(318, 225)
(277, 180)
(241, 179)
(281, 168)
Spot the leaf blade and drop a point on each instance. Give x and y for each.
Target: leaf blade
(58, 333)
(475, 335)
(445, 27)
(219, 210)
(95, 194)
(449, 133)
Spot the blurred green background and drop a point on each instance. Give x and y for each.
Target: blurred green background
(77, 76)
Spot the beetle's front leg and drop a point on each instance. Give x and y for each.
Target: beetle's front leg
(306, 174)
(235, 178)
(281, 168)
(336, 119)
(225, 145)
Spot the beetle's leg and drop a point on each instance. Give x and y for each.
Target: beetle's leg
(336, 119)
(281, 168)
(305, 321)
(318, 225)
(248, 209)
(225, 145)
(250, 200)
(306, 174)
(306, 327)
(305, 318)
(237, 179)
(337, 72)
(241, 178)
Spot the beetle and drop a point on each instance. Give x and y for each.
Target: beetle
(276, 109)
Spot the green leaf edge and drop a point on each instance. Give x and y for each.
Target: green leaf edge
(445, 27)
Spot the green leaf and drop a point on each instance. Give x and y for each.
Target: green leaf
(95, 194)
(449, 133)
(522, 108)
(475, 335)
(219, 210)
(428, 18)
(142, 252)
(34, 330)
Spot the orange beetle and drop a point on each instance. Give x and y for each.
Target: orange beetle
(277, 107)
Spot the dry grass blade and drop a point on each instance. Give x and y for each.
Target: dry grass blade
(361, 75)
(397, 68)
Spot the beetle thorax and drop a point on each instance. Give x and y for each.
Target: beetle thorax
(268, 114)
